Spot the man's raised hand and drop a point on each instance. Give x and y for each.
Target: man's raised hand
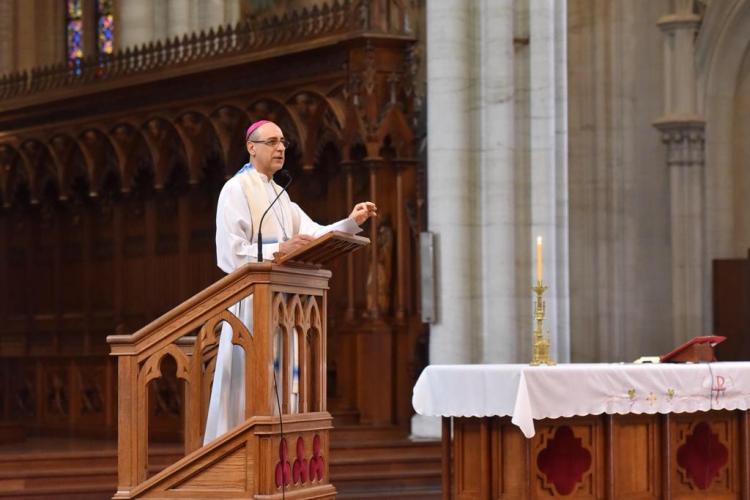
(363, 211)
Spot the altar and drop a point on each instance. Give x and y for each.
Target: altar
(616, 431)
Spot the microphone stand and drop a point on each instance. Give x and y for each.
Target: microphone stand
(260, 234)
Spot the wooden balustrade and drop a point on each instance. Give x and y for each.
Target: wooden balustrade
(248, 36)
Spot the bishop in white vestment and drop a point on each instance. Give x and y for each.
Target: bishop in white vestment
(286, 227)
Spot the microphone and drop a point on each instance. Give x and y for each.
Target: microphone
(260, 235)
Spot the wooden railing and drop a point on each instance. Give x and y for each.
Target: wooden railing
(345, 17)
(287, 302)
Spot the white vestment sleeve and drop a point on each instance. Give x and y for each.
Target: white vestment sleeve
(312, 228)
(234, 229)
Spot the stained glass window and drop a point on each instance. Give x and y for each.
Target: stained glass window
(105, 26)
(74, 27)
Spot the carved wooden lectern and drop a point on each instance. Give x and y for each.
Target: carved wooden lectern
(253, 460)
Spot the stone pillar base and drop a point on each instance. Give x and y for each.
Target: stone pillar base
(423, 427)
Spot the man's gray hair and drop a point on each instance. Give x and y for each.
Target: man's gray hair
(255, 136)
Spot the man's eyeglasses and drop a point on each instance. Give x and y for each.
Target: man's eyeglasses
(273, 143)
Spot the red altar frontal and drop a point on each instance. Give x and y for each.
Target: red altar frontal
(591, 431)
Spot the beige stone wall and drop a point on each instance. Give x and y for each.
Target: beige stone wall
(741, 160)
(31, 34)
(722, 55)
(143, 21)
(619, 190)
(7, 37)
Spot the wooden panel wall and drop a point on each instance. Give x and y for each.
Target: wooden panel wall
(80, 271)
(109, 194)
(678, 456)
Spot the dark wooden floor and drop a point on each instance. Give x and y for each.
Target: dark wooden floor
(366, 463)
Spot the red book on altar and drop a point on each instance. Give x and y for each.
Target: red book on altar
(696, 350)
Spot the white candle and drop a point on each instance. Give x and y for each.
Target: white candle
(538, 259)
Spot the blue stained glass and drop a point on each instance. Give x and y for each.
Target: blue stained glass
(74, 28)
(105, 26)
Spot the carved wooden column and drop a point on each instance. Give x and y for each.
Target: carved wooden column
(406, 181)
(4, 292)
(373, 287)
(347, 167)
(375, 336)
(87, 261)
(683, 133)
(151, 238)
(183, 243)
(55, 223)
(119, 257)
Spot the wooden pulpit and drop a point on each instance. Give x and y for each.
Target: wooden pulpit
(269, 456)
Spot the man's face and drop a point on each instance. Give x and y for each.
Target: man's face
(267, 151)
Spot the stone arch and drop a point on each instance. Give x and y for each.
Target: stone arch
(722, 52)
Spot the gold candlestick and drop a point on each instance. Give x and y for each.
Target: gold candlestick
(541, 343)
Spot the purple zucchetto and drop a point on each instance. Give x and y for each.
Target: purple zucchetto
(254, 126)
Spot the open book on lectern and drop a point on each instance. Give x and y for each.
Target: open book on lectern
(322, 250)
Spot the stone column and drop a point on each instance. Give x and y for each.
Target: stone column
(7, 38)
(452, 181)
(620, 254)
(683, 133)
(212, 15)
(162, 20)
(548, 161)
(32, 18)
(561, 260)
(136, 23)
(497, 175)
(232, 12)
(495, 186)
(179, 17)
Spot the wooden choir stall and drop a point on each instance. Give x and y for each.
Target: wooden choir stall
(594, 431)
(255, 459)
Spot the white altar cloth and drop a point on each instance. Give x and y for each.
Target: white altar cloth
(536, 392)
